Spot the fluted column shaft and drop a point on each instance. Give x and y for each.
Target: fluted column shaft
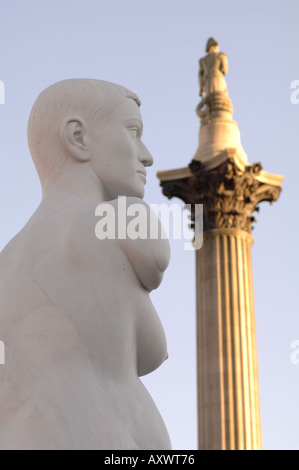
(228, 388)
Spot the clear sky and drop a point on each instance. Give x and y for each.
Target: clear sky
(153, 47)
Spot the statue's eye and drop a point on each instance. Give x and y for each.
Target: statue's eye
(134, 131)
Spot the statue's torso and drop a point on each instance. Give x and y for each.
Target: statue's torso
(78, 327)
(213, 68)
(212, 63)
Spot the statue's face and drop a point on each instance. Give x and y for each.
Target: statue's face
(214, 49)
(118, 155)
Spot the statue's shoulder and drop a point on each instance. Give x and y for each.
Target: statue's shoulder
(223, 55)
(12, 252)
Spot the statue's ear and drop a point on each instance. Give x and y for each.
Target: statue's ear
(73, 132)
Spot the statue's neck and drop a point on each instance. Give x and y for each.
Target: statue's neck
(77, 181)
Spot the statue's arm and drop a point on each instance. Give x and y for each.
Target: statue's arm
(224, 63)
(201, 78)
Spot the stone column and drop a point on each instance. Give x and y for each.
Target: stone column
(228, 391)
(228, 384)
(230, 190)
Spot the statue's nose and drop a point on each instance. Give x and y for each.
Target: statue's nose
(145, 156)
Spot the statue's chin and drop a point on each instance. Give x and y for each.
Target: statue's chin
(134, 194)
(135, 189)
(139, 193)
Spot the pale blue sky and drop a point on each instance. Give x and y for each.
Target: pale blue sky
(153, 47)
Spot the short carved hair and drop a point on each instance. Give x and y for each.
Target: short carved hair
(211, 42)
(87, 98)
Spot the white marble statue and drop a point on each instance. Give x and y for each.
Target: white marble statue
(75, 313)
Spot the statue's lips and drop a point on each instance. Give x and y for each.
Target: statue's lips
(142, 173)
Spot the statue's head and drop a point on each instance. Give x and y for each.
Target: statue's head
(212, 45)
(90, 122)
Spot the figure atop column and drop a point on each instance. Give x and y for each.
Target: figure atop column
(213, 89)
(212, 69)
(218, 130)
